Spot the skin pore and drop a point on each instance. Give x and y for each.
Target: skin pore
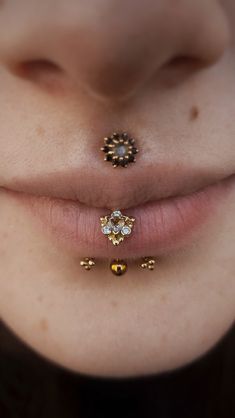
(71, 73)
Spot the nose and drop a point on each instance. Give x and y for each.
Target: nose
(111, 48)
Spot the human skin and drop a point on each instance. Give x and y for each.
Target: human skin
(71, 72)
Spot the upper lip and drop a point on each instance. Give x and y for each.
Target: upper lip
(117, 188)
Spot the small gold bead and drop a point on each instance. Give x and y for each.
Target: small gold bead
(148, 263)
(87, 263)
(118, 267)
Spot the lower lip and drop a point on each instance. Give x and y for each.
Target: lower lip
(160, 226)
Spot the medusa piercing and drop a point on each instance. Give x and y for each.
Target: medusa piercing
(119, 149)
(116, 226)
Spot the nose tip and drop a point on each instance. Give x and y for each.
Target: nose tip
(134, 47)
(112, 52)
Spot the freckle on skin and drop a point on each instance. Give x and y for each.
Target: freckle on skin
(40, 130)
(194, 113)
(163, 298)
(43, 324)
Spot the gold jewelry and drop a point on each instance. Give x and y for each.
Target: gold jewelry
(116, 226)
(148, 263)
(87, 263)
(118, 267)
(120, 149)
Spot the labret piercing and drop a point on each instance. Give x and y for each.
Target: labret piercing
(119, 149)
(119, 267)
(116, 227)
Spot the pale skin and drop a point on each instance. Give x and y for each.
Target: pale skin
(69, 72)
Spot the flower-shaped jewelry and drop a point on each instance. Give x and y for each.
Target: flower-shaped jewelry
(116, 226)
(119, 149)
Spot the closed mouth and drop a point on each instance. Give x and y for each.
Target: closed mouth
(161, 225)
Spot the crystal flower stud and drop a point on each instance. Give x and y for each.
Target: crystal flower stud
(119, 149)
(116, 226)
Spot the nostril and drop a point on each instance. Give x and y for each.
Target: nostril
(36, 70)
(31, 69)
(185, 63)
(43, 73)
(179, 68)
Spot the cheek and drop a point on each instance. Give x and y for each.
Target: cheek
(98, 325)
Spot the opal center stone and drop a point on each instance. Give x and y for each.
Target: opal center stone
(120, 150)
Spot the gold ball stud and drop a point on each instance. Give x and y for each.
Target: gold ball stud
(87, 263)
(118, 267)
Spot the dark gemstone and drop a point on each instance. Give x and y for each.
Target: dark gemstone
(109, 157)
(124, 135)
(131, 141)
(115, 135)
(105, 148)
(109, 141)
(134, 150)
(131, 158)
(122, 163)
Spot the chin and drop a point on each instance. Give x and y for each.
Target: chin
(125, 353)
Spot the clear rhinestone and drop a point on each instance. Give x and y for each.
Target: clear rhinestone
(116, 214)
(126, 230)
(106, 230)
